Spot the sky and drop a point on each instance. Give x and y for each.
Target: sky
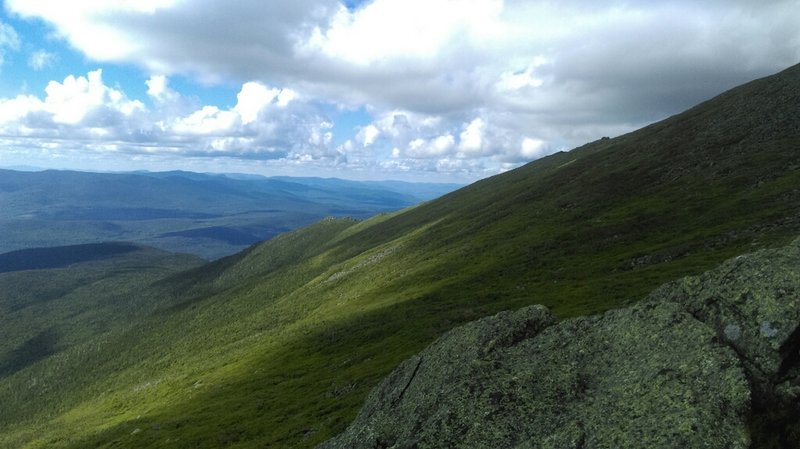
(420, 90)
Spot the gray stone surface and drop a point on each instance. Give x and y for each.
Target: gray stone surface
(708, 361)
(753, 304)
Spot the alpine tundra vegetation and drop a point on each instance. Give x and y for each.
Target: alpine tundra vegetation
(281, 344)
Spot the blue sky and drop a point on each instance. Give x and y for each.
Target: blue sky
(435, 90)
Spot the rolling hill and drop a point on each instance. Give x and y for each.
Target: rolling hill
(207, 215)
(278, 346)
(53, 298)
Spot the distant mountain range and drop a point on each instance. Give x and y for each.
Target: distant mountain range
(202, 214)
(279, 345)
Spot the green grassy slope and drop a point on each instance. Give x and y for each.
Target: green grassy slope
(57, 316)
(278, 346)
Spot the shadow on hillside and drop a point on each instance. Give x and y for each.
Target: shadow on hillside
(62, 256)
(284, 399)
(42, 345)
(311, 387)
(306, 391)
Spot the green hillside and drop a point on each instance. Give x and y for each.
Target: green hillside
(64, 313)
(279, 345)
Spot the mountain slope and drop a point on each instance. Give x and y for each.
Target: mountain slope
(60, 314)
(278, 346)
(702, 362)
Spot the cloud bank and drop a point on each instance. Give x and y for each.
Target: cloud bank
(83, 113)
(466, 88)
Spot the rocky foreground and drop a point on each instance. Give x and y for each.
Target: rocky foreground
(711, 361)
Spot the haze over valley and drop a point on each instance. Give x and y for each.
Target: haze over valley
(202, 214)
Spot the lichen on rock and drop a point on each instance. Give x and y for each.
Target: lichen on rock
(760, 293)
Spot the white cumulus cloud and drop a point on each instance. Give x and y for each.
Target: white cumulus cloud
(158, 89)
(472, 137)
(452, 85)
(532, 148)
(80, 97)
(418, 29)
(252, 99)
(82, 112)
(367, 135)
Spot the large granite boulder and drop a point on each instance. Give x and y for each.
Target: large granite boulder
(708, 361)
(752, 303)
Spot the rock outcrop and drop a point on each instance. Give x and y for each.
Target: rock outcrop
(752, 303)
(711, 361)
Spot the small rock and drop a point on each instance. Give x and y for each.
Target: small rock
(732, 332)
(767, 331)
